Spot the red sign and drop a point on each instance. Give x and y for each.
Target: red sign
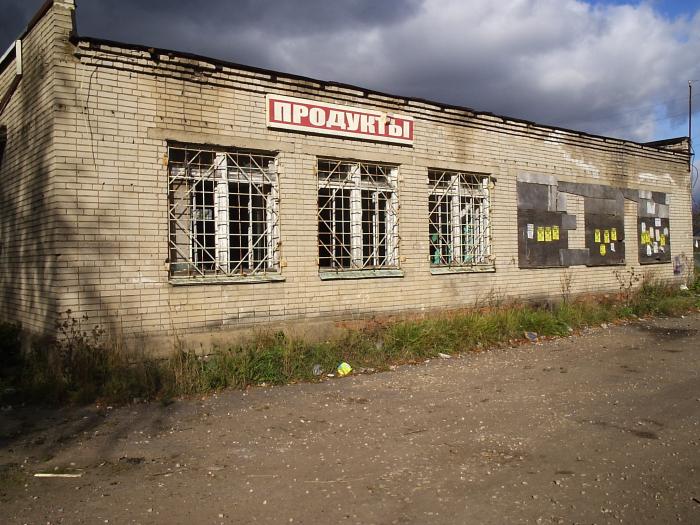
(302, 114)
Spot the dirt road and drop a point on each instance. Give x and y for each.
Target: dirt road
(598, 428)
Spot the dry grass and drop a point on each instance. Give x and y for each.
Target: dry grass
(81, 366)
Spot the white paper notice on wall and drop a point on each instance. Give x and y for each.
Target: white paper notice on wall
(648, 250)
(651, 207)
(530, 231)
(658, 234)
(644, 227)
(657, 222)
(612, 246)
(666, 232)
(656, 247)
(651, 232)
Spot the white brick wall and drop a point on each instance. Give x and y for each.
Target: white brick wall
(104, 117)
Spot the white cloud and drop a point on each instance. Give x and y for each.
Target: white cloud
(605, 69)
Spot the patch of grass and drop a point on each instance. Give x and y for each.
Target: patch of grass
(658, 298)
(81, 367)
(694, 285)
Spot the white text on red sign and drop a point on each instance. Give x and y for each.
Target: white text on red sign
(332, 119)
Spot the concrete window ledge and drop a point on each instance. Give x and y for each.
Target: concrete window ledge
(462, 269)
(359, 274)
(243, 279)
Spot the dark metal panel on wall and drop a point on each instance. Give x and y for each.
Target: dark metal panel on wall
(653, 228)
(533, 196)
(574, 257)
(596, 191)
(654, 240)
(540, 239)
(605, 239)
(605, 227)
(543, 223)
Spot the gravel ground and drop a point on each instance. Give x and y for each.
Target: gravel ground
(601, 427)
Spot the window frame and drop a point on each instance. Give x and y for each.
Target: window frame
(202, 196)
(452, 197)
(347, 251)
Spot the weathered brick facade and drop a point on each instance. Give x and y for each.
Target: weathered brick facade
(84, 213)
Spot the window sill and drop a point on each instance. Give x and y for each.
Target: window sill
(359, 274)
(243, 279)
(445, 270)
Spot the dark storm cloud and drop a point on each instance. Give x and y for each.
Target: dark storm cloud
(610, 69)
(279, 18)
(242, 31)
(14, 15)
(618, 70)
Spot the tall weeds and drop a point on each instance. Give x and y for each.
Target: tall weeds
(82, 366)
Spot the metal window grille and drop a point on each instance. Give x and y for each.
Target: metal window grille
(459, 224)
(223, 213)
(357, 215)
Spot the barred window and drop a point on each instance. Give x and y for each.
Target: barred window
(357, 216)
(459, 219)
(223, 213)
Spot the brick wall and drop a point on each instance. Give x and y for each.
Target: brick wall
(29, 214)
(114, 108)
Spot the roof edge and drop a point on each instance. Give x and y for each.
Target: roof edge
(667, 142)
(677, 144)
(75, 39)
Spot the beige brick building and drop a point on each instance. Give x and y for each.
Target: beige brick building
(164, 193)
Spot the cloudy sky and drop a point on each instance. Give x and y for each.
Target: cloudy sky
(614, 67)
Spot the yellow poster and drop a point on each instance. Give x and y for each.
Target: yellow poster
(606, 236)
(602, 249)
(613, 234)
(548, 234)
(555, 233)
(597, 236)
(540, 234)
(662, 240)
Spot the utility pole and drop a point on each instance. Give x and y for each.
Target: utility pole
(690, 126)
(690, 123)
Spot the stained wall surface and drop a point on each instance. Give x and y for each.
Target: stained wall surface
(113, 108)
(30, 218)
